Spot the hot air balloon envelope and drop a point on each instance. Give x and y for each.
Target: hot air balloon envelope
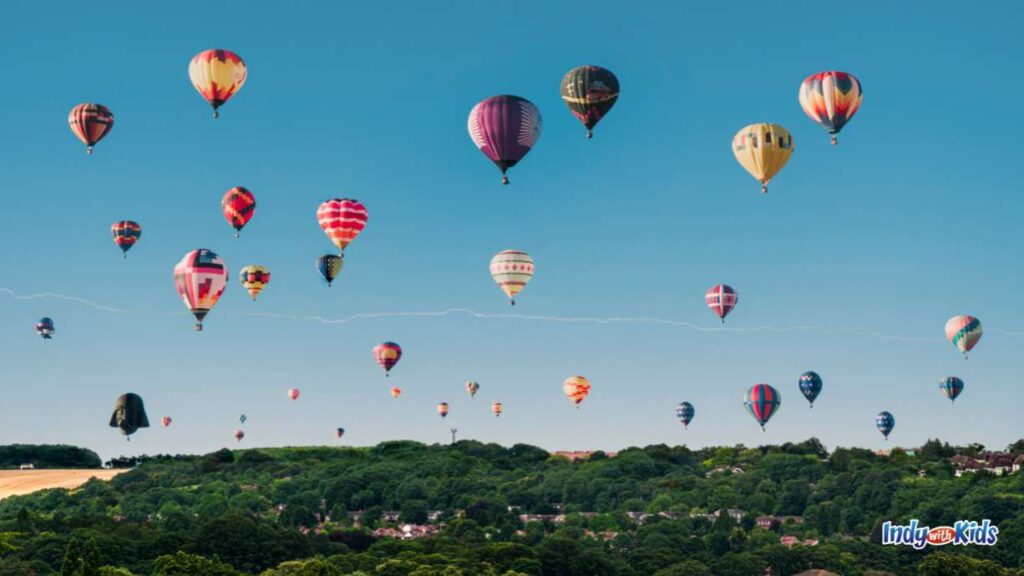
(129, 414)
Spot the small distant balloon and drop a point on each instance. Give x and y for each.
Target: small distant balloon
(505, 128)
(590, 92)
(396, 392)
(442, 409)
(166, 421)
(387, 354)
(242, 419)
(90, 123)
(685, 413)
(45, 328)
(126, 234)
(472, 387)
(762, 150)
(576, 388)
(885, 423)
(239, 435)
(254, 278)
(964, 332)
(762, 402)
(497, 409)
(238, 206)
(293, 393)
(810, 386)
(329, 266)
(721, 299)
(512, 271)
(951, 387)
(217, 75)
(339, 432)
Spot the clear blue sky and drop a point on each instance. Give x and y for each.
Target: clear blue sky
(915, 217)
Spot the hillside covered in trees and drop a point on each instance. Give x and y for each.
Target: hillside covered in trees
(407, 509)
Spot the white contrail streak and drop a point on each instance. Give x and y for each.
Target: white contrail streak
(527, 317)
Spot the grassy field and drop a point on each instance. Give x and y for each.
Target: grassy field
(18, 482)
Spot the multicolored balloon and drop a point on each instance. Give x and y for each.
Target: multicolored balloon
(200, 278)
(831, 99)
(512, 271)
(505, 128)
(951, 387)
(810, 386)
(590, 92)
(964, 332)
(126, 234)
(762, 401)
(721, 299)
(442, 409)
(885, 423)
(339, 432)
(330, 266)
(293, 393)
(254, 278)
(497, 409)
(342, 220)
(239, 435)
(762, 150)
(387, 354)
(576, 388)
(217, 75)
(472, 387)
(166, 421)
(90, 123)
(45, 328)
(685, 412)
(396, 392)
(238, 206)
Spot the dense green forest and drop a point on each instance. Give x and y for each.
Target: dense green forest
(48, 456)
(645, 511)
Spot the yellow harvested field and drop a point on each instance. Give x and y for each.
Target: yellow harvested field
(18, 482)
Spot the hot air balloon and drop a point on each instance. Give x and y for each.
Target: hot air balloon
(200, 278)
(239, 435)
(342, 220)
(293, 393)
(590, 92)
(885, 423)
(964, 332)
(330, 266)
(685, 412)
(472, 387)
(762, 401)
(217, 75)
(90, 123)
(396, 392)
(126, 234)
(721, 299)
(387, 354)
(129, 414)
(505, 128)
(951, 387)
(576, 388)
(238, 206)
(166, 421)
(512, 271)
(339, 432)
(254, 278)
(496, 409)
(45, 328)
(763, 149)
(810, 386)
(831, 99)
(442, 409)
(242, 419)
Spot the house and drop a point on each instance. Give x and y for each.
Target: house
(407, 532)
(733, 513)
(434, 515)
(28, 466)
(792, 519)
(390, 515)
(574, 455)
(766, 522)
(998, 463)
(790, 541)
(816, 573)
(1017, 463)
(723, 470)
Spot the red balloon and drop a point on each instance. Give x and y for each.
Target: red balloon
(293, 393)
(90, 123)
(238, 206)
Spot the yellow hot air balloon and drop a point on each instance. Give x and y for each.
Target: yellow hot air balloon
(576, 388)
(763, 149)
(217, 75)
(254, 278)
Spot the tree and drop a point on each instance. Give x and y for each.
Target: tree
(314, 567)
(943, 564)
(113, 571)
(183, 564)
(685, 568)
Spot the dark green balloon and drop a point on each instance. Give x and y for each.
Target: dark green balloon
(590, 92)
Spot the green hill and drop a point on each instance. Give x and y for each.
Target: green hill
(407, 509)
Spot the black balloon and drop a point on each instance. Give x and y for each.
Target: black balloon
(129, 414)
